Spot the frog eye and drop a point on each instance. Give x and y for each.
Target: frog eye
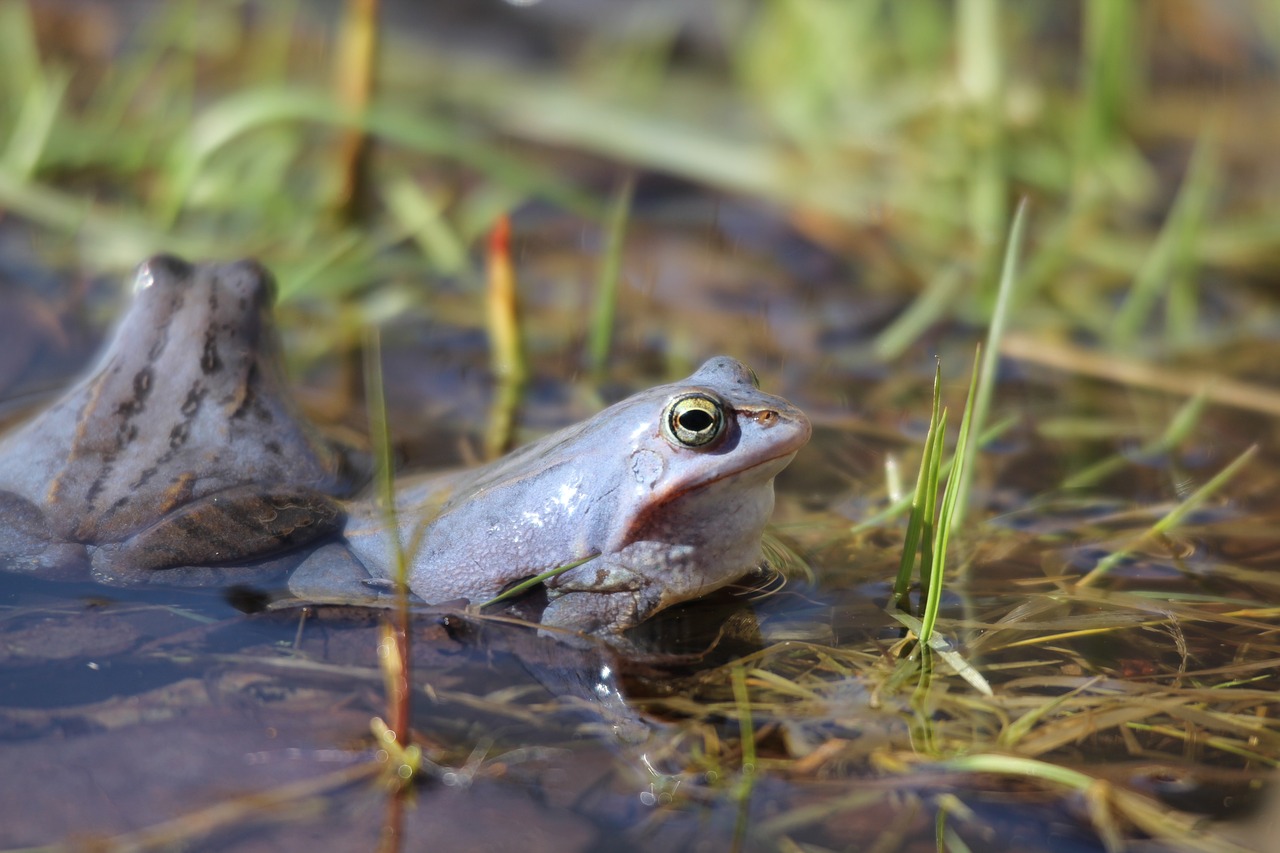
(693, 420)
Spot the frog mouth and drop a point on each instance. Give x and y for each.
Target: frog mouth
(739, 472)
(644, 520)
(786, 460)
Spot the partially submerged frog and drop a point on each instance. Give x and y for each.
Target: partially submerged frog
(182, 447)
(667, 492)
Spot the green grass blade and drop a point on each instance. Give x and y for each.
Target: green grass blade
(940, 646)
(20, 65)
(928, 308)
(35, 123)
(947, 516)
(530, 583)
(1174, 517)
(233, 117)
(383, 464)
(916, 521)
(600, 334)
(929, 505)
(981, 76)
(422, 217)
(1017, 766)
(1179, 427)
(1175, 248)
(904, 503)
(1111, 66)
(995, 333)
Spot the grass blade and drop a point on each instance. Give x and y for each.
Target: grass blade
(916, 521)
(1175, 248)
(947, 516)
(1173, 518)
(995, 333)
(601, 333)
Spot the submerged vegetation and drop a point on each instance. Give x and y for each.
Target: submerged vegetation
(1092, 182)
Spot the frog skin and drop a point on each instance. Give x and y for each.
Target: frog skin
(180, 448)
(667, 491)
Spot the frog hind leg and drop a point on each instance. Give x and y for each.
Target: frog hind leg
(241, 524)
(28, 544)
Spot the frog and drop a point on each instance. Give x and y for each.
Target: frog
(182, 446)
(657, 499)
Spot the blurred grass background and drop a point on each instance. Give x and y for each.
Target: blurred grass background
(897, 136)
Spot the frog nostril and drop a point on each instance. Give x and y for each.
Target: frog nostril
(253, 279)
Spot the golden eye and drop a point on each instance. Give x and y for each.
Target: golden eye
(693, 420)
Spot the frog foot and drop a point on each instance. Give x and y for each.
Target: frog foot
(240, 524)
(27, 544)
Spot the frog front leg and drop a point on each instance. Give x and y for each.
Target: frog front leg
(239, 524)
(602, 596)
(599, 612)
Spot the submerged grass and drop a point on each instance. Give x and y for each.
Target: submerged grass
(1174, 517)
(1039, 725)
